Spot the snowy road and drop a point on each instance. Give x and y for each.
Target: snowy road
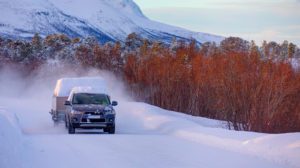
(146, 136)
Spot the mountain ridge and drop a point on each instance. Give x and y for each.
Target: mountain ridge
(107, 20)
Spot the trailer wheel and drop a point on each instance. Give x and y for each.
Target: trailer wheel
(66, 123)
(55, 123)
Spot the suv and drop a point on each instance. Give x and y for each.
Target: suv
(90, 111)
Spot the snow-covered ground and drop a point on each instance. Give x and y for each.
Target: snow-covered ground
(146, 136)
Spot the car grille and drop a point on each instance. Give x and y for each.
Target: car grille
(93, 120)
(94, 113)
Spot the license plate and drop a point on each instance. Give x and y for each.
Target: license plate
(94, 117)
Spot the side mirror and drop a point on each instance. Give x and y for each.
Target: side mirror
(114, 103)
(67, 103)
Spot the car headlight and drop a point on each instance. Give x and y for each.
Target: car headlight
(76, 112)
(108, 110)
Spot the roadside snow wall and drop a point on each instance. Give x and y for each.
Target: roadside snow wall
(10, 141)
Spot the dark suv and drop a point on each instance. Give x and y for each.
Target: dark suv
(90, 111)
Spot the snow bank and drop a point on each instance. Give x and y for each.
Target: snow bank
(281, 149)
(10, 141)
(65, 85)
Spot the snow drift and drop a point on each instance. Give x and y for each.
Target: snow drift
(10, 140)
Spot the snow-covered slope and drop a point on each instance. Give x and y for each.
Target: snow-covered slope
(146, 136)
(106, 19)
(10, 140)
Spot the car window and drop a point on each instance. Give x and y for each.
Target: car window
(90, 98)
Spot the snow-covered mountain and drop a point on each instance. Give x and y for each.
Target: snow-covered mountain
(108, 20)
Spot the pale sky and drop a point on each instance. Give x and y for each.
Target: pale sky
(271, 20)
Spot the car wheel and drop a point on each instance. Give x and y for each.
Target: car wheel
(71, 129)
(111, 130)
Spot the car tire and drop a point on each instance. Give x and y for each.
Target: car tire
(71, 129)
(111, 130)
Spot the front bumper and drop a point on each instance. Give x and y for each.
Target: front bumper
(92, 125)
(92, 121)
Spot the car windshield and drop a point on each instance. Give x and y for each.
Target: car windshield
(90, 98)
